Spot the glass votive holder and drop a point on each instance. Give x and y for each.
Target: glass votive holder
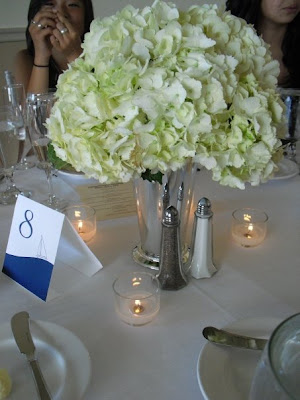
(277, 374)
(83, 219)
(249, 226)
(137, 297)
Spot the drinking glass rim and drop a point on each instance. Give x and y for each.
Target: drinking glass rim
(90, 210)
(289, 91)
(272, 338)
(154, 278)
(31, 97)
(249, 209)
(14, 85)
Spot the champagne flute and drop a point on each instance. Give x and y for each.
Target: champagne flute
(10, 152)
(38, 110)
(14, 95)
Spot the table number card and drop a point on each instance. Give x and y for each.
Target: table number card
(32, 245)
(44, 252)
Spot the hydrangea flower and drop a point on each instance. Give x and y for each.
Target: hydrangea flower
(157, 87)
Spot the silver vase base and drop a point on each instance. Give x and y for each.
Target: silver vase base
(151, 261)
(145, 259)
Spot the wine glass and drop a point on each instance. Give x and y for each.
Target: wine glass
(14, 95)
(11, 146)
(277, 373)
(38, 110)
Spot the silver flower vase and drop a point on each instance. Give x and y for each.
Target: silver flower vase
(151, 199)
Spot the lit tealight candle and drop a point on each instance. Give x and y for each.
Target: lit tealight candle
(249, 227)
(83, 219)
(137, 298)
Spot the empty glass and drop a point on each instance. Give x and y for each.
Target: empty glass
(277, 374)
(291, 97)
(14, 95)
(11, 146)
(38, 110)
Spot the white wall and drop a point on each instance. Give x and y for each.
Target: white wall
(14, 12)
(109, 7)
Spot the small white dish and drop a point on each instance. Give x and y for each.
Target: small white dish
(287, 169)
(64, 362)
(226, 372)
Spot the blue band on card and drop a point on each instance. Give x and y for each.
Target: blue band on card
(32, 273)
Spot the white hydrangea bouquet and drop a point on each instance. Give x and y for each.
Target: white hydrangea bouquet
(157, 87)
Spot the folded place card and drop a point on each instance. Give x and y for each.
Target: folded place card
(42, 242)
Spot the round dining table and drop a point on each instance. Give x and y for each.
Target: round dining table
(252, 291)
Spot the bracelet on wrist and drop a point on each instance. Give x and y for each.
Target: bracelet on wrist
(40, 66)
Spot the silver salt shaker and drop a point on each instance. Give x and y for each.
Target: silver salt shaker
(202, 265)
(171, 275)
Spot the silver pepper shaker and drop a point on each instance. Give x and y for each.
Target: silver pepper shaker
(202, 265)
(171, 275)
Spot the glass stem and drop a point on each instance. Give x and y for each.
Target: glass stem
(9, 179)
(51, 194)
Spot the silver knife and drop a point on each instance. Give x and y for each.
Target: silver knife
(22, 335)
(220, 336)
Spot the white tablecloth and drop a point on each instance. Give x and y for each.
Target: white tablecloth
(159, 360)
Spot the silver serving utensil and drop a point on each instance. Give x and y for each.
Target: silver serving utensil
(220, 336)
(22, 335)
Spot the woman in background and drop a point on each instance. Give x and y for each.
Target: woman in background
(278, 21)
(54, 35)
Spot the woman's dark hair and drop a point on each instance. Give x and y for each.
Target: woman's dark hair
(246, 9)
(34, 7)
(249, 10)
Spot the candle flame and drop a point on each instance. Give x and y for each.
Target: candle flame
(250, 228)
(80, 225)
(138, 308)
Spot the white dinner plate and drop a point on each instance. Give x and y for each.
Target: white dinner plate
(64, 362)
(287, 169)
(226, 372)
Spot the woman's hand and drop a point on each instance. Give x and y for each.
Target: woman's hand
(66, 39)
(41, 29)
